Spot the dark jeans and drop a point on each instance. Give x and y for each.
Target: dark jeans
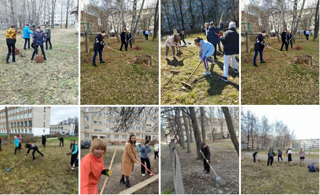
(44, 144)
(15, 150)
(35, 51)
(74, 157)
(256, 54)
(270, 160)
(130, 43)
(219, 46)
(143, 160)
(61, 144)
(25, 43)
(254, 159)
(48, 40)
(94, 58)
(125, 45)
(307, 36)
(284, 43)
(19, 146)
(11, 44)
(34, 151)
(280, 156)
(290, 43)
(215, 51)
(33, 46)
(156, 154)
(206, 165)
(146, 37)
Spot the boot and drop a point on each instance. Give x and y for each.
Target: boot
(122, 181)
(128, 184)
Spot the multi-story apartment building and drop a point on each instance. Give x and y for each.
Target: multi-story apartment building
(105, 123)
(26, 120)
(63, 129)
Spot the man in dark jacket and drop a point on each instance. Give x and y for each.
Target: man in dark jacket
(213, 37)
(124, 40)
(98, 48)
(44, 140)
(61, 141)
(206, 152)
(259, 47)
(48, 33)
(254, 156)
(270, 157)
(34, 148)
(39, 37)
(230, 42)
(33, 29)
(279, 154)
(284, 39)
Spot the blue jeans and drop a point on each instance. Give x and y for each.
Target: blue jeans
(130, 44)
(256, 54)
(95, 55)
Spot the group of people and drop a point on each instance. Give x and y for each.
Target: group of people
(271, 155)
(126, 38)
(286, 38)
(92, 165)
(39, 37)
(229, 40)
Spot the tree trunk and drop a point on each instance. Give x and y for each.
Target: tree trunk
(67, 14)
(203, 16)
(175, 11)
(230, 128)
(7, 125)
(134, 15)
(196, 131)
(216, 11)
(185, 122)
(156, 22)
(192, 16)
(182, 20)
(298, 20)
(52, 12)
(203, 129)
(316, 28)
(138, 18)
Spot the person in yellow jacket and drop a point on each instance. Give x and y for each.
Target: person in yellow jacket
(11, 43)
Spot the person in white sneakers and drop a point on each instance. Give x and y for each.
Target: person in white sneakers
(172, 42)
(145, 157)
(230, 42)
(206, 49)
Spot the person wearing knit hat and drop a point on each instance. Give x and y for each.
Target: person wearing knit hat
(230, 42)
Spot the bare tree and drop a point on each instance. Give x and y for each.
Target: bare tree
(196, 131)
(53, 7)
(316, 28)
(186, 127)
(156, 22)
(203, 129)
(230, 128)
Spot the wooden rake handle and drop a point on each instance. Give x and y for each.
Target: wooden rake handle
(193, 71)
(208, 163)
(105, 182)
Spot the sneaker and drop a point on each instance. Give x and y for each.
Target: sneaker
(236, 71)
(25, 48)
(255, 64)
(33, 160)
(263, 62)
(72, 168)
(94, 64)
(212, 63)
(207, 173)
(143, 175)
(166, 57)
(150, 174)
(102, 62)
(206, 73)
(174, 56)
(42, 156)
(225, 79)
(31, 59)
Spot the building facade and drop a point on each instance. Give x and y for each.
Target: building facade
(104, 123)
(63, 129)
(26, 120)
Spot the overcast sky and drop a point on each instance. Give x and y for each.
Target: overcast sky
(257, 2)
(146, 3)
(303, 119)
(60, 113)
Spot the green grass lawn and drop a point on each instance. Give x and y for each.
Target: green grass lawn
(258, 178)
(52, 82)
(281, 80)
(121, 80)
(49, 175)
(206, 90)
(294, 155)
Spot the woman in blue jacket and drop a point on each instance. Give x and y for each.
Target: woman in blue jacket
(289, 37)
(145, 157)
(39, 37)
(129, 39)
(74, 152)
(26, 35)
(206, 50)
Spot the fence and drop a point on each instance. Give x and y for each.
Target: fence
(176, 169)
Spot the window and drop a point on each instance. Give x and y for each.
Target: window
(30, 123)
(30, 131)
(97, 122)
(44, 109)
(44, 124)
(97, 130)
(116, 121)
(108, 113)
(138, 121)
(86, 109)
(44, 131)
(116, 137)
(21, 124)
(86, 135)
(148, 125)
(124, 137)
(44, 117)
(108, 129)
(137, 128)
(108, 121)
(97, 113)
(123, 130)
(108, 136)
(30, 115)
(86, 127)
(86, 118)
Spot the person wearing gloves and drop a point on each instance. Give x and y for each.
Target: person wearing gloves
(206, 50)
(99, 45)
(213, 37)
(270, 157)
(16, 144)
(34, 148)
(92, 167)
(145, 157)
(259, 47)
(230, 42)
(26, 35)
(74, 152)
(11, 43)
(206, 152)
(39, 37)
(172, 42)
(311, 167)
(128, 160)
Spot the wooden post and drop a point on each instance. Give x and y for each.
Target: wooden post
(7, 125)
(247, 42)
(87, 41)
(269, 37)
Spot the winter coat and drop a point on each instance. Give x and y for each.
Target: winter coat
(39, 37)
(312, 168)
(16, 142)
(259, 42)
(99, 43)
(91, 168)
(270, 154)
(44, 139)
(123, 36)
(27, 32)
(230, 42)
(48, 32)
(206, 49)
(212, 34)
(170, 43)
(279, 152)
(289, 36)
(128, 159)
(11, 34)
(145, 151)
(206, 152)
(255, 154)
(284, 36)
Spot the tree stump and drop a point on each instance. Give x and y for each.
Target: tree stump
(39, 58)
(306, 59)
(145, 59)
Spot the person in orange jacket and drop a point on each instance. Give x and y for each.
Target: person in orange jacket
(92, 167)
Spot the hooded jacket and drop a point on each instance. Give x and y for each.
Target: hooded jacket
(99, 43)
(206, 152)
(212, 34)
(39, 37)
(27, 32)
(230, 41)
(259, 42)
(311, 167)
(206, 49)
(16, 142)
(11, 34)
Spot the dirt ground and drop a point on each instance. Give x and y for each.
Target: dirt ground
(224, 160)
(113, 185)
(206, 90)
(49, 175)
(121, 80)
(55, 81)
(281, 80)
(258, 178)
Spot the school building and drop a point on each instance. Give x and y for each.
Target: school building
(105, 123)
(26, 120)
(63, 129)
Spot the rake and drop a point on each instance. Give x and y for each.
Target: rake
(217, 177)
(9, 169)
(105, 182)
(185, 84)
(145, 166)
